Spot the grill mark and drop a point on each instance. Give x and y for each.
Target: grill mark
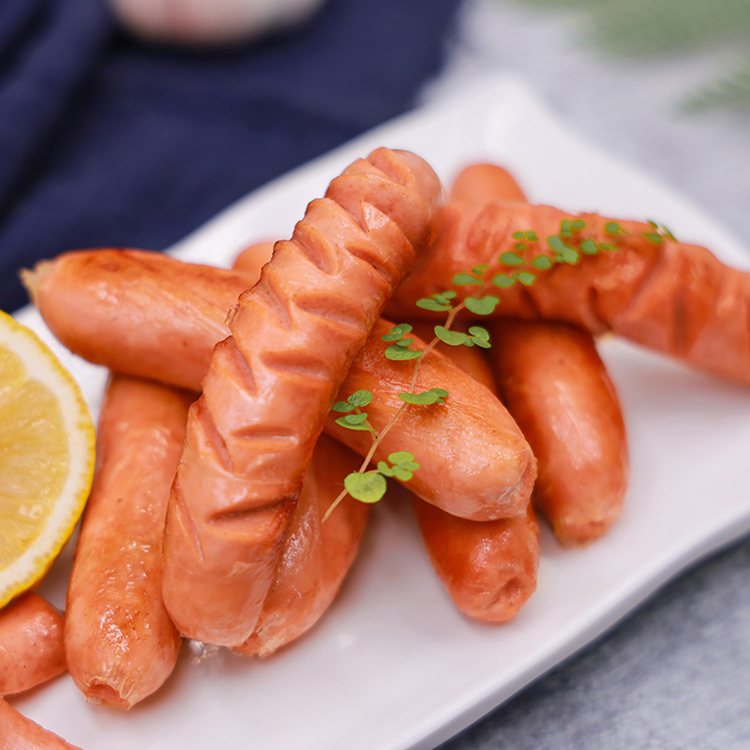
(181, 508)
(681, 344)
(340, 312)
(643, 286)
(316, 248)
(275, 299)
(212, 436)
(275, 439)
(297, 362)
(394, 169)
(593, 297)
(239, 514)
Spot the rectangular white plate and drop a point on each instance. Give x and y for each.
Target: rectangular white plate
(392, 665)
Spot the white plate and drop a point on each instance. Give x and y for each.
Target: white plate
(393, 665)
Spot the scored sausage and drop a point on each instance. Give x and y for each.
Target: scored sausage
(271, 383)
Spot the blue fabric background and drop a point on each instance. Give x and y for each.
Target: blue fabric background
(105, 140)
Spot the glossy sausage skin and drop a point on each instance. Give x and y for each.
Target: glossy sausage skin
(101, 303)
(19, 733)
(554, 383)
(488, 568)
(474, 460)
(546, 369)
(121, 644)
(270, 385)
(252, 259)
(31, 644)
(669, 296)
(60, 274)
(316, 555)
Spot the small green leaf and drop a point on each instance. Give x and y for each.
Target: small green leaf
(433, 396)
(431, 304)
(542, 262)
(484, 306)
(577, 224)
(452, 338)
(402, 458)
(404, 342)
(613, 228)
(563, 253)
(397, 332)
(526, 278)
(479, 332)
(589, 247)
(384, 469)
(367, 488)
(653, 237)
(511, 259)
(402, 474)
(360, 398)
(480, 269)
(503, 281)
(353, 419)
(465, 279)
(342, 406)
(520, 246)
(400, 353)
(480, 337)
(342, 422)
(606, 246)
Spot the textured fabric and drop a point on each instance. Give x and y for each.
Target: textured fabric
(105, 140)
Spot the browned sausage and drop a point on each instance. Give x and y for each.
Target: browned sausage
(554, 383)
(270, 385)
(125, 309)
(31, 644)
(140, 306)
(19, 733)
(474, 460)
(121, 645)
(488, 568)
(316, 555)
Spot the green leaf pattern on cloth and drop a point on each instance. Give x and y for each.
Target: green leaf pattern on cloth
(641, 28)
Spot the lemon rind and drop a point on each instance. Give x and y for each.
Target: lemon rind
(31, 566)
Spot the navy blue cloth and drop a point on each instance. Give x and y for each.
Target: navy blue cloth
(109, 141)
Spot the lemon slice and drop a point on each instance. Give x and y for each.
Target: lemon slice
(47, 448)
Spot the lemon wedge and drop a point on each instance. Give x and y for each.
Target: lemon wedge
(47, 449)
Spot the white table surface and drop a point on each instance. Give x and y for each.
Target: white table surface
(676, 673)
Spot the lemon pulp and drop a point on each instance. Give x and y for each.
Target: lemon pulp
(46, 457)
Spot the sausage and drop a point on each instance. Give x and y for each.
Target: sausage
(474, 460)
(557, 388)
(627, 277)
(21, 733)
(125, 308)
(120, 642)
(252, 259)
(271, 383)
(555, 385)
(315, 556)
(488, 568)
(31, 644)
(465, 484)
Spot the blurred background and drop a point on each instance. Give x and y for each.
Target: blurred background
(132, 123)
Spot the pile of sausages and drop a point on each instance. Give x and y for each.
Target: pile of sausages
(218, 455)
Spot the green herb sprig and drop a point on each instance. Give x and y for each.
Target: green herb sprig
(520, 266)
